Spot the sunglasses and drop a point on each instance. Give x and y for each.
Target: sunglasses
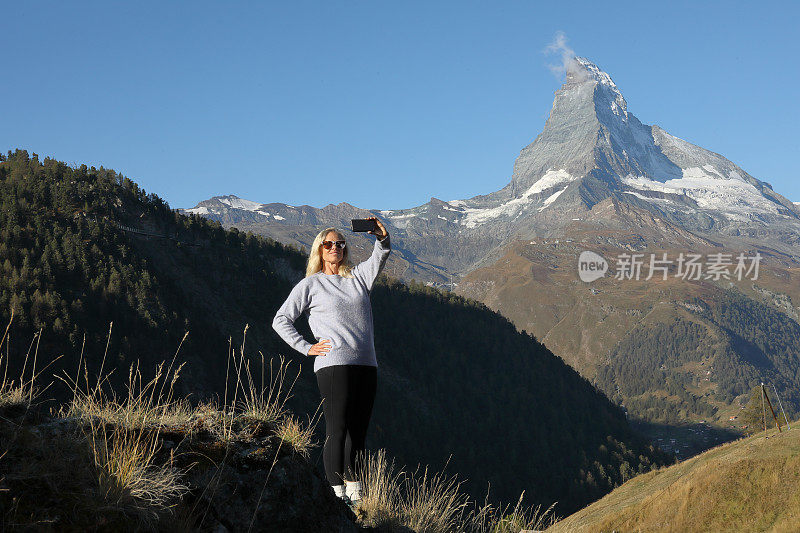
(329, 244)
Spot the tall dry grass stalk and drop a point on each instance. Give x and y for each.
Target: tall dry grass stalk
(20, 392)
(146, 404)
(433, 503)
(381, 500)
(490, 519)
(267, 402)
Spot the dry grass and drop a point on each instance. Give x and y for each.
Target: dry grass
(296, 434)
(110, 468)
(746, 485)
(433, 503)
(128, 477)
(265, 404)
(381, 499)
(136, 411)
(489, 519)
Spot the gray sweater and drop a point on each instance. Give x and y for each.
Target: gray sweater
(339, 310)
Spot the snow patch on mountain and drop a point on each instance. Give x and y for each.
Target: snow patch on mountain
(648, 198)
(475, 216)
(552, 178)
(552, 198)
(710, 189)
(202, 210)
(240, 203)
(399, 220)
(388, 214)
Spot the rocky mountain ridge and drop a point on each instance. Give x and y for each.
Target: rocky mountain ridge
(592, 149)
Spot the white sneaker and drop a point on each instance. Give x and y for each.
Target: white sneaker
(353, 491)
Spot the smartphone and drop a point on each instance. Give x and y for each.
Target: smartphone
(363, 224)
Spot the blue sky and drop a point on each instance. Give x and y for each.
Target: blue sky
(379, 104)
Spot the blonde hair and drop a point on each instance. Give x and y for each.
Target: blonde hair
(314, 264)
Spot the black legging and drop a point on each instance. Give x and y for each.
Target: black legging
(348, 393)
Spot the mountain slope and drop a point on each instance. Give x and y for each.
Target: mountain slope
(730, 334)
(83, 246)
(748, 485)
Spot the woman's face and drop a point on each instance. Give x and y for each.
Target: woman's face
(334, 254)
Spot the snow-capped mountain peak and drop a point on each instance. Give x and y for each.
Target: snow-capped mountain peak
(582, 69)
(591, 131)
(239, 203)
(591, 148)
(219, 205)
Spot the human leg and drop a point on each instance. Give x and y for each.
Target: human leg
(333, 386)
(360, 401)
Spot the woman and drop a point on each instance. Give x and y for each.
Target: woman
(336, 297)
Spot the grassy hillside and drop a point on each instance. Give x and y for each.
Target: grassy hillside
(458, 384)
(747, 485)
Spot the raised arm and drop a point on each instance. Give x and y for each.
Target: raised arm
(367, 271)
(283, 323)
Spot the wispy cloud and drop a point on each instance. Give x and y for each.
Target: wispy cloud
(559, 48)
